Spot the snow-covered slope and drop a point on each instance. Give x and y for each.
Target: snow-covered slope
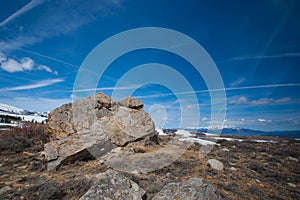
(11, 109)
(12, 116)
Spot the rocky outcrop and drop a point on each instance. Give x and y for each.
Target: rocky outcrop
(193, 189)
(131, 102)
(73, 148)
(113, 185)
(97, 124)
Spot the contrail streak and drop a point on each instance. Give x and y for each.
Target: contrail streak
(224, 89)
(21, 11)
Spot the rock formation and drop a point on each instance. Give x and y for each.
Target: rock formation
(113, 185)
(97, 124)
(123, 137)
(193, 189)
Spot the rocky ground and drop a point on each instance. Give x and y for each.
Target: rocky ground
(96, 148)
(251, 170)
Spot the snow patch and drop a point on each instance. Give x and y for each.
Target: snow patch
(160, 131)
(197, 140)
(11, 109)
(270, 141)
(183, 133)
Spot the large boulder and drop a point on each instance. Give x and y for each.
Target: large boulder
(193, 189)
(70, 119)
(113, 185)
(93, 123)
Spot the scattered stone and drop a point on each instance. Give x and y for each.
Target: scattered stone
(293, 159)
(225, 149)
(292, 185)
(15, 184)
(4, 176)
(232, 164)
(28, 155)
(193, 189)
(113, 185)
(5, 189)
(233, 168)
(215, 164)
(23, 167)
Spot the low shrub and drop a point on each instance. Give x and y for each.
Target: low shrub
(29, 137)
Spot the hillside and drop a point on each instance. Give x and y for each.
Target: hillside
(12, 116)
(251, 170)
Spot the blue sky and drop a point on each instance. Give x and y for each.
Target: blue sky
(254, 44)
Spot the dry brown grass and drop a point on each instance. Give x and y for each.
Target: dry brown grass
(30, 137)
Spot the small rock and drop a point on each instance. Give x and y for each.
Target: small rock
(28, 155)
(233, 164)
(233, 168)
(22, 167)
(225, 149)
(293, 159)
(215, 164)
(5, 189)
(101, 161)
(4, 175)
(17, 185)
(292, 185)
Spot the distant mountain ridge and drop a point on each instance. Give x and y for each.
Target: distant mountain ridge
(12, 115)
(249, 132)
(11, 109)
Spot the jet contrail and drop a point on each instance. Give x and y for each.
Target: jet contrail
(21, 11)
(39, 84)
(224, 89)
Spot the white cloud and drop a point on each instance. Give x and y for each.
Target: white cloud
(264, 120)
(261, 101)
(237, 82)
(261, 120)
(25, 64)
(2, 57)
(204, 119)
(11, 65)
(47, 69)
(283, 100)
(39, 84)
(241, 100)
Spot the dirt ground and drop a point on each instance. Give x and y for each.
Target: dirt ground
(252, 170)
